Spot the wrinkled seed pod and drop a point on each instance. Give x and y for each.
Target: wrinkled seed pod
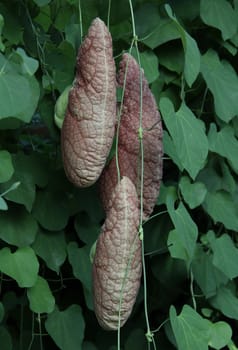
(89, 124)
(117, 263)
(129, 146)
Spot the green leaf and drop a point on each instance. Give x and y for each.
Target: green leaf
(207, 276)
(217, 176)
(219, 14)
(41, 2)
(182, 240)
(193, 194)
(66, 327)
(165, 31)
(220, 206)
(14, 94)
(40, 297)
(19, 94)
(190, 329)
(1, 312)
(29, 171)
(5, 339)
(188, 135)
(6, 166)
(51, 247)
(170, 149)
(28, 64)
(191, 51)
(27, 113)
(220, 335)
(17, 227)
(150, 64)
(222, 81)
(86, 229)
(3, 204)
(12, 29)
(224, 143)
(79, 259)
(2, 46)
(226, 301)
(225, 256)
(172, 58)
(50, 210)
(22, 265)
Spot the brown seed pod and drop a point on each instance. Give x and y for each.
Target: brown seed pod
(117, 263)
(129, 145)
(89, 124)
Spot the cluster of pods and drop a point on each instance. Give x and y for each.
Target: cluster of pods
(87, 135)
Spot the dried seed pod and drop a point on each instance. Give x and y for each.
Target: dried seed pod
(89, 123)
(117, 263)
(129, 145)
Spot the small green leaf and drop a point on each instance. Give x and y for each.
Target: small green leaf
(6, 166)
(29, 65)
(224, 143)
(220, 206)
(190, 329)
(40, 297)
(192, 54)
(66, 327)
(226, 301)
(51, 247)
(225, 256)
(22, 265)
(220, 335)
(188, 135)
(3, 204)
(219, 14)
(5, 339)
(182, 240)
(193, 194)
(17, 227)
(222, 80)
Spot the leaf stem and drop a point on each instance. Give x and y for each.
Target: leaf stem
(108, 13)
(192, 290)
(80, 21)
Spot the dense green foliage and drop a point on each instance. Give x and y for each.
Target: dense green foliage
(48, 227)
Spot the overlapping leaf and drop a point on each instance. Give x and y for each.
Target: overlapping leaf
(221, 80)
(66, 327)
(188, 135)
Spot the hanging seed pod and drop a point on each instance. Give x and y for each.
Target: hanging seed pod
(117, 263)
(129, 145)
(88, 127)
